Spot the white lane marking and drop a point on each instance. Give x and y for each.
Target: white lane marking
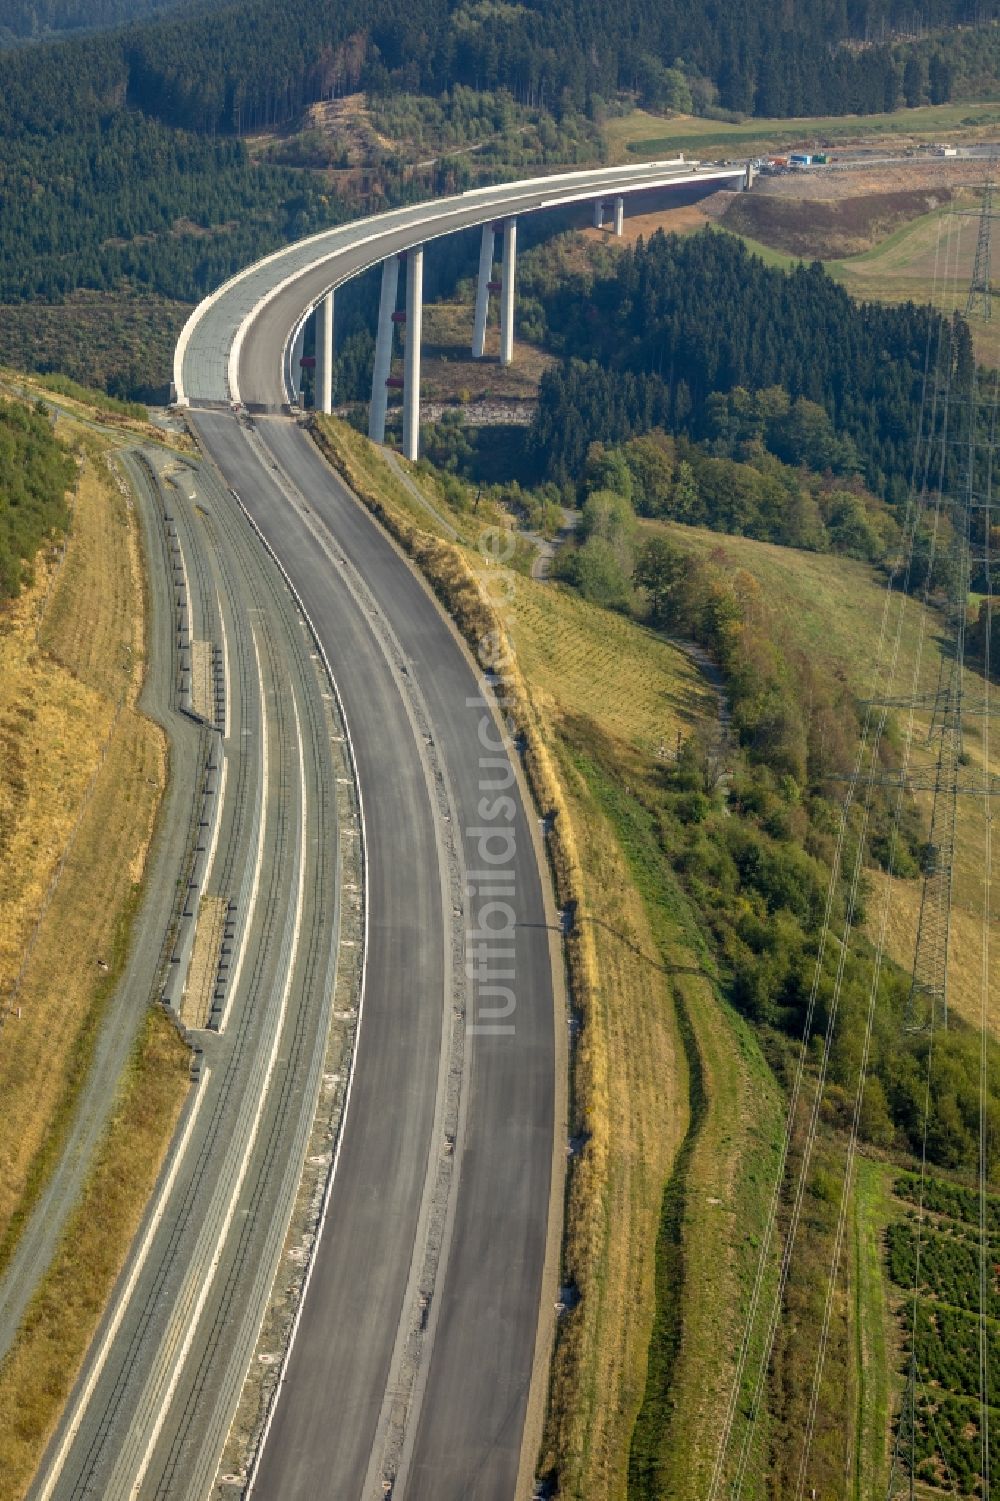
(261, 832)
(262, 1095)
(362, 836)
(124, 1297)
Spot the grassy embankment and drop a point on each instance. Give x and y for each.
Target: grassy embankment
(901, 262)
(81, 778)
(832, 608)
(38, 1373)
(586, 685)
(639, 134)
(931, 260)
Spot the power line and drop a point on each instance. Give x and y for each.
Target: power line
(985, 1259)
(980, 299)
(930, 976)
(872, 729)
(903, 1474)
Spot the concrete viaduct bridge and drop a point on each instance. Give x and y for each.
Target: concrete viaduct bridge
(216, 364)
(419, 1366)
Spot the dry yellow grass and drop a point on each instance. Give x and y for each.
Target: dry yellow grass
(965, 962)
(80, 783)
(38, 1371)
(95, 621)
(632, 1066)
(632, 684)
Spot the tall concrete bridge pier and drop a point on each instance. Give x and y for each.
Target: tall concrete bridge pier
(207, 363)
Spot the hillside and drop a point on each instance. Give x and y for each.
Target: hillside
(832, 610)
(157, 156)
(668, 1085)
(695, 873)
(38, 20)
(82, 776)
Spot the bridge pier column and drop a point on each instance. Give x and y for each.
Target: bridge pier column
(507, 291)
(749, 180)
(298, 344)
(619, 217)
(411, 372)
(483, 291)
(324, 354)
(598, 214)
(383, 349)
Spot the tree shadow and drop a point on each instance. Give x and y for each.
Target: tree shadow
(648, 960)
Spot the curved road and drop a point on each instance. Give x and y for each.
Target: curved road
(416, 1349)
(150, 1411)
(210, 365)
(331, 1433)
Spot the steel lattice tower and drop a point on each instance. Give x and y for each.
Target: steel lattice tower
(980, 299)
(928, 1002)
(903, 1475)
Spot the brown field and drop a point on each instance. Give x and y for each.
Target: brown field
(827, 228)
(80, 783)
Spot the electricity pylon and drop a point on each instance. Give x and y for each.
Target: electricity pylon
(903, 1475)
(979, 302)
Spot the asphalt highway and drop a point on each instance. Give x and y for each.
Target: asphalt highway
(208, 364)
(155, 1399)
(419, 1340)
(463, 1436)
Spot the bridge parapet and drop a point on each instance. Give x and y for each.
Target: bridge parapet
(216, 361)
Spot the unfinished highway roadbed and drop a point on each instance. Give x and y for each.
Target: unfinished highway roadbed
(254, 947)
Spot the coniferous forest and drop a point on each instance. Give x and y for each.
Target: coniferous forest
(250, 64)
(683, 329)
(125, 167)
